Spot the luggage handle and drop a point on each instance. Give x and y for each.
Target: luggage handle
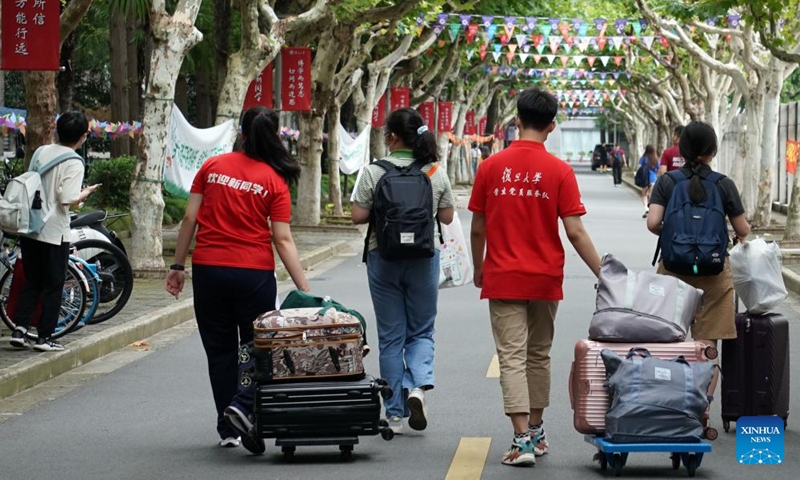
(287, 360)
(638, 351)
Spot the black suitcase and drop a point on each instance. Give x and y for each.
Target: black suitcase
(320, 413)
(755, 368)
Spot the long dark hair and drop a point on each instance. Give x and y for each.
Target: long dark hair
(650, 155)
(261, 142)
(406, 123)
(697, 140)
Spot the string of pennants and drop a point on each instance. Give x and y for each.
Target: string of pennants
(587, 98)
(553, 44)
(565, 60)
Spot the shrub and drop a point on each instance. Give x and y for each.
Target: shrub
(116, 175)
(174, 209)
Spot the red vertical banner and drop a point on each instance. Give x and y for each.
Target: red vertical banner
(482, 125)
(445, 114)
(260, 92)
(469, 127)
(379, 113)
(296, 79)
(792, 149)
(400, 97)
(31, 30)
(426, 110)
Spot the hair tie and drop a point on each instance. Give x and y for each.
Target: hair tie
(422, 129)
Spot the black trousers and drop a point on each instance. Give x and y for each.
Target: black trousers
(617, 171)
(226, 301)
(45, 267)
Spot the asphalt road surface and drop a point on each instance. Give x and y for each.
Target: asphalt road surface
(154, 417)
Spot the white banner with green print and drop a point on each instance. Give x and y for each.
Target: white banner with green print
(188, 148)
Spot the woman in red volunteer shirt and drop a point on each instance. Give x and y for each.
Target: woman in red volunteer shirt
(239, 205)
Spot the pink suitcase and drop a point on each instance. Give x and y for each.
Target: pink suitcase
(587, 395)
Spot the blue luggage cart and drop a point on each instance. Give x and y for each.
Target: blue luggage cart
(615, 455)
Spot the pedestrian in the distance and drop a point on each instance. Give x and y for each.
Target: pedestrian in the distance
(404, 285)
(45, 255)
(518, 198)
(698, 147)
(617, 163)
(650, 161)
(239, 205)
(671, 158)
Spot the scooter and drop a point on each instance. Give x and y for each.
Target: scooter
(91, 226)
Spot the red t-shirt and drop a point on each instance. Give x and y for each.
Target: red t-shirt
(523, 191)
(240, 198)
(672, 158)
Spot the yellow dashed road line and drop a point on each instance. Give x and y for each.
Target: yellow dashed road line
(469, 459)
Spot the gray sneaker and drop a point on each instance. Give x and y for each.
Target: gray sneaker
(48, 345)
(396, 425)
(19, 339)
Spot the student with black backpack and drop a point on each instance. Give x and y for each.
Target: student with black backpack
(688, 209)
(403, 198)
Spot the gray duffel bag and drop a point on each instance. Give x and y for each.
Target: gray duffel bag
(641, 307)
(655, 400)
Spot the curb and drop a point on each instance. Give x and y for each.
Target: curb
(42, 368)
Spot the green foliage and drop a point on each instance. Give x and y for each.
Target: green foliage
(116, 175)
(174, 209)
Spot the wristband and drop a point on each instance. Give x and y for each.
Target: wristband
(177, 266)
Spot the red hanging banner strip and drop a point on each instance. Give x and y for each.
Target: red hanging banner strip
(260, 92)
(482, 126)
(426, 111)
(379, 113)
(296, 79)
(470, 128)
(31, 34)
(399, 97)
(445, 117)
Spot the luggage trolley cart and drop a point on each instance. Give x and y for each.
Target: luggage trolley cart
(615, 455)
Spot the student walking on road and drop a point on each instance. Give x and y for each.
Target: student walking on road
(650, 162)
(403, 265)
(45, 255)
(239, 205)
(707, 190)
(617, 162)
(518, 197)
(671, 158)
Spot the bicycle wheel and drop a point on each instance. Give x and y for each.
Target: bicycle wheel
(93, 282)
(73, 301)
(116, 276)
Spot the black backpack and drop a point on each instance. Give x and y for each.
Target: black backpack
(402, 213)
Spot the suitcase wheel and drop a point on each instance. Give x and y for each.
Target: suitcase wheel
(711, 433)
(711, 353)
(288, 453)
(347, 452)
(387, 434)
(726, 424)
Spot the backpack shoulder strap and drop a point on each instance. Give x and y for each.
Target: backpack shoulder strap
(714, 177)
(677, 176)
(432, 170)
(59, 159)
(384, 164)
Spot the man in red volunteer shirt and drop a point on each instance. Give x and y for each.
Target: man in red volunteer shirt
(671, 158)
(518, 197)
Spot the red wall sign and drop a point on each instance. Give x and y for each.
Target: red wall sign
(296, 79)
(445, 117)
(31, 34)
(469, 127)
(399, 97)
(482, 126)
(260, 92)
(379, 113)
(427, 111)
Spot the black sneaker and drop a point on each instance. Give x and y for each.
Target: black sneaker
(237, 420)
(18, 338)
(48, 345)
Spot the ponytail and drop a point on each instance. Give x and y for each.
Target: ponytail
(408, 125)
(698, 139)
(262, 143)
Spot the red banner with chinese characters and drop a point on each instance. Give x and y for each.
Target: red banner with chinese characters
(260, 92)
(399, 97)
(427, 111)
(379, 113)
(792, 149)
(482, 125)
(469, 127)
(445, 117)
(296, 79)
(31, 30)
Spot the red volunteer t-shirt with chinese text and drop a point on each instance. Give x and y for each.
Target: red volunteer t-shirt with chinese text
(523, 191)
(240, 198)
(672, 158)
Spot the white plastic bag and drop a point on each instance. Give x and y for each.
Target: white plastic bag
(757, 277)
(455, 264)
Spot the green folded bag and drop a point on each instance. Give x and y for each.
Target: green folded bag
(298, 299)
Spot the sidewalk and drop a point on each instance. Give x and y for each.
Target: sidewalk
(150, 310)
(791, 260)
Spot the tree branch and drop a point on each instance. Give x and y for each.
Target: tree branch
(73, 14)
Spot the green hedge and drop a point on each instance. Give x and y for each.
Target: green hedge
(116, 175)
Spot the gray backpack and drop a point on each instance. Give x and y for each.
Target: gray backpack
(655, 400)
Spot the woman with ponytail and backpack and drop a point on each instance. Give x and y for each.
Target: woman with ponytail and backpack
(403, 265)
(688, 208)
(238, 206)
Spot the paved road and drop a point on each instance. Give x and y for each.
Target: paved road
(154, 417)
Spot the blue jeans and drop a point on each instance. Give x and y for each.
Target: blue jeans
(404, 296)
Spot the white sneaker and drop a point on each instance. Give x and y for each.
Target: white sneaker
(396, 425)
(230, 442)
(419, 413)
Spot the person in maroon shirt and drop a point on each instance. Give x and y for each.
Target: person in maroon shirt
(671, 158)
